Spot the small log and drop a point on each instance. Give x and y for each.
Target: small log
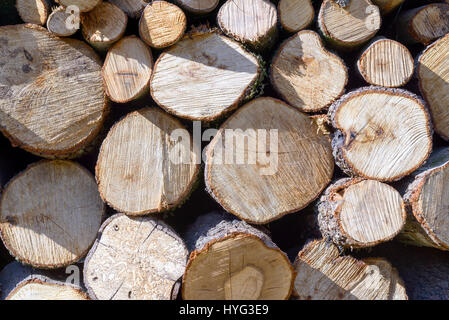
(387, 6)
(386, 63)
(252, 22)
(427, 201)
(199, 7)
(234, 261)
(369, 143)
(258, 182)
(82, 5)
(162, 24)
(127, 70)
(144, 266)
(133, 8)
(141, 168)
(295, 15)
(43, 288)
(59, 102)
(424, 24)
(204, 76)
(306, 75)
(351, 26)
(433, 74)
(103, 26)
(322, 274)
(50, 214)
(359, 213)
(33, 11)
(62, 23)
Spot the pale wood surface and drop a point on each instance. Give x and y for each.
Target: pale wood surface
(35, 289)
(135, 171)
(33, 11)
(127, 70)
(203, 76)
(382, 134)
(59, 101)
(350, 26)
(104, 25)
(386, 63)
(133, 8)
(50, 214)
(433, 75)
(306, 75)
(322, 274)
(295, 15)
(162, 24)
(57, 22)
(134, 258)
(83, 5)
(253, 22)
(303, 169)
(198, 6)
(360, 213)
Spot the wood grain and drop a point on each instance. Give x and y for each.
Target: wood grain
(33, 11)
(295, 15)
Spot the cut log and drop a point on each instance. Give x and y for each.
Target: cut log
(351, 26)
(261, 182)
(386, 63)
(324, 275)
(386, 6)
(198, 6)
(50, 214)
(252, 22)
(82, 5)
(43, 288)
(133, 8)
(295, 15)
(359, 213)
(162, 24)
(135, 258)
(370, 143)
(33, 11)
(234, 261)
(59, 102)
(127, 70)
(424, 24)
(433, 75)
(62, 22)
(143, 167)
(103, 26)
(306, 75)
(204, 76)
(427, 201)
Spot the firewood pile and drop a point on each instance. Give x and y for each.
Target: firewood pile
(224, 149)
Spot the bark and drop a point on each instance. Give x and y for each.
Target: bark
(295, 15)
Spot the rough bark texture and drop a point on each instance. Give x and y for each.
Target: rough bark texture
(144, 266)
(383, 121)
(233, 260)
(359, 213)
(295, 15)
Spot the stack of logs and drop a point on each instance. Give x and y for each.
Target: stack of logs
(352, 95)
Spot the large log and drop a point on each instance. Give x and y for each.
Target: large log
(306, 75)
(359, 213)
(322, 274)
(33, 11)
(162, 24)
(59, 102)
(295, 15)
(253, 22)
(433, 75)
(142, 168)
(386, 63)
(427, 201)
(261, 182)
(351, 26)
(234, 261)
(50, 214)
(127, 70)
(204, 76)
(135, 258)
(382, 134)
